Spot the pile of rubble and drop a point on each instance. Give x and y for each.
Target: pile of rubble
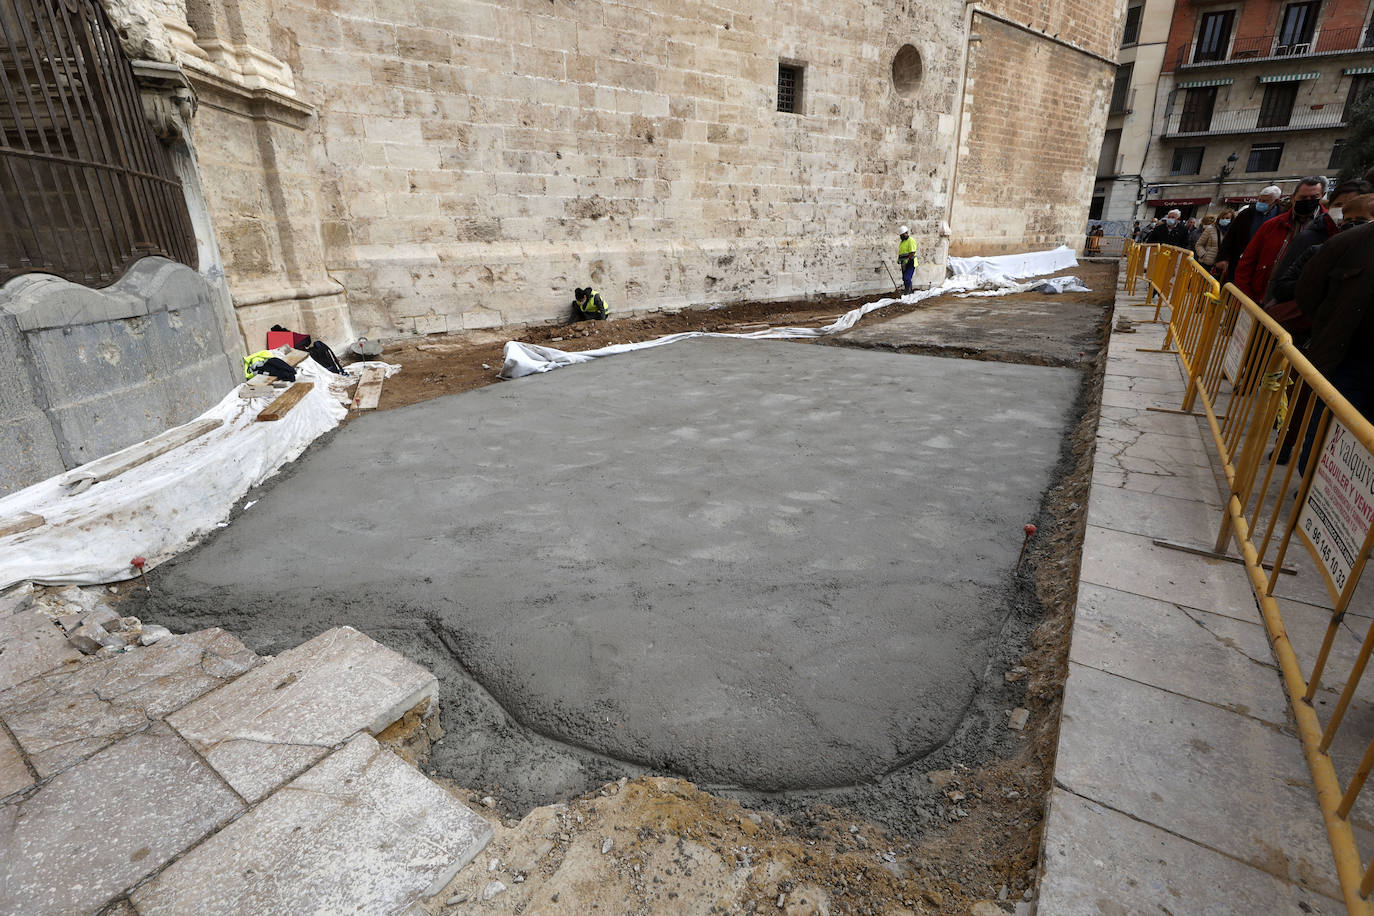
(89, 624)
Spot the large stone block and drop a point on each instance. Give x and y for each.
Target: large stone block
(76, 709)
(30, 644)
(108, 368)
(94, 831)
(361, 831)
(271, 724)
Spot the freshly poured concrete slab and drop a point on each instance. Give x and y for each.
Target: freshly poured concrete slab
(275, 721)
(1221, 779)
(1055, 330)
(752, 562)
(360, 832)
(74, 711)
(30, 643)
(1100, 861)
(95, 830)
(14, 775)
(1155, 642)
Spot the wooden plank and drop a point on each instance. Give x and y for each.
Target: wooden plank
(369, 388)
(285, 401)
(112, 466)
(25, 522)
(294, 358)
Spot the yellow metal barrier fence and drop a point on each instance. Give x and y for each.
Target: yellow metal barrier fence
(1298, 463)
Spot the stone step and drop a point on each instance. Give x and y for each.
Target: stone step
(30, 644)
(359, 832)
(90, 833)
(71, 712)
(274, 722)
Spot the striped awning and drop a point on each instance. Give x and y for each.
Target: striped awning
(1200, 84)
(1289, 77)
(1356, 71)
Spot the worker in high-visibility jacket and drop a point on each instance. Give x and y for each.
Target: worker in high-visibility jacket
(587, 303)
(906, 257)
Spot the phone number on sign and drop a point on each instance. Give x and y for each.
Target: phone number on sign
(1325, 549)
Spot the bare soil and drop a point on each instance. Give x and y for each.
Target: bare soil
(449, 363)
(661, 845)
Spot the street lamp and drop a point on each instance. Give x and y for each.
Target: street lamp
(1230, 165)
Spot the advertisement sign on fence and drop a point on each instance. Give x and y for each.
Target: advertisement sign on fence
(1337, 514)
(1236, 346)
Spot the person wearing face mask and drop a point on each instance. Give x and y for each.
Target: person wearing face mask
(1273, 238)
(1352, 205)
(1208, 242)
(1171, 231)
(1224, 220)
(1243, 228)
(1318, 230)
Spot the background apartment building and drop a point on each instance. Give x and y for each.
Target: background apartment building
(1120, 184)
(1250, 93)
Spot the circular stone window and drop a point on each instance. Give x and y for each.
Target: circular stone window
(906, 71)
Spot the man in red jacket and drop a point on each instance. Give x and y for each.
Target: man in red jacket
(1265, 249)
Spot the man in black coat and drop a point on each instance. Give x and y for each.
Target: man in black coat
(1243, 229)
(1172, 231)
(1336, 291)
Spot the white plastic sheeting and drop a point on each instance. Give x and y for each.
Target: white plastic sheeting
(523, 359)
(1050, 285)
(1029, 264)
(160, 508)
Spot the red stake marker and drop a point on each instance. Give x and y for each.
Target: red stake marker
(138, 563)
(1030, 530)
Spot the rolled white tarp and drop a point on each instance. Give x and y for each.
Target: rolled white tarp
(160, 507)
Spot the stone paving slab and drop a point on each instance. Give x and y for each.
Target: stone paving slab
(1099, 861)
(1185, 482)
(1226, 781)
(1160, 454)
(275, 721)
(361, 831)
(90, 833)
(1116, 397)
(14, 774)
(30, 643)
(1132, 563)
(1208, 657)
(1133, 366)
(1187, 521)
(73, 711)
(1144, 384)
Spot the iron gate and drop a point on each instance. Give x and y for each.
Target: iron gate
(85, 186)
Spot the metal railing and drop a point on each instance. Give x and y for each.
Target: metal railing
(1297, 460)
(1252, 120)
(1275, 46)
(1104, 246)
(85, 186)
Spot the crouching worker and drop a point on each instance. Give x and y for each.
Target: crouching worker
(587, 303)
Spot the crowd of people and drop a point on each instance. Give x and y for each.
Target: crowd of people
(1307, 258)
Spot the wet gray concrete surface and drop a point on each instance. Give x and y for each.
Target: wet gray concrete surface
(753, 563)
(1059, 330)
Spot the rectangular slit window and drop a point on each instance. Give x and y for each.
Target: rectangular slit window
(789, 88)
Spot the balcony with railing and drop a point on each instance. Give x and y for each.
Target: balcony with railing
(1182, 123)
(1276, 46)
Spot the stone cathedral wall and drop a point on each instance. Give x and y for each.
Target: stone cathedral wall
(387, 167)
